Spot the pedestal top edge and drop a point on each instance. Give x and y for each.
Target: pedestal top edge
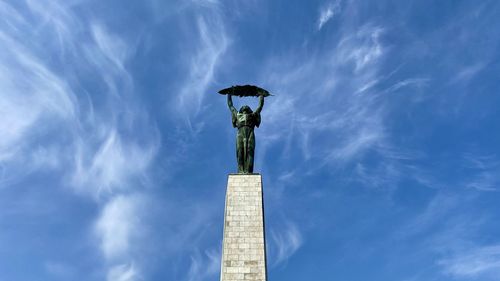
(244, 176)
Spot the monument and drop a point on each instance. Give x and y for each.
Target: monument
(243, 245)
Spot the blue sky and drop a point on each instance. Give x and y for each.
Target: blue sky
(379, 151)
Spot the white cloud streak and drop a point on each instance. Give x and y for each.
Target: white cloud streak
(36, 98)
(102, 142)
(119, 230)
(284, 243)
(363, 49)
(474, 263)
(112, 47)
(436, 211)
(328, 12)
(112, 167)
(353, 120)
(60, 270)
(116, 225)
(34, 102)
(485, 181)
(204, 265)
(417, 82)
(211, 45)
(485, 171)
(109, 55)
(447, 230)
(30, 92)
(468, 72)
(123, 272)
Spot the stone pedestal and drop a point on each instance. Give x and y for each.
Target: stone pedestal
(243, 247)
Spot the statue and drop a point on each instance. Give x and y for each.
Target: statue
(245, 120)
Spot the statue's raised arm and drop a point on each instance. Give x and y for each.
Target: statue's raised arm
(230, 104)
(261, 105)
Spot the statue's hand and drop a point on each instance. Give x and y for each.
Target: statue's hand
(261, 104)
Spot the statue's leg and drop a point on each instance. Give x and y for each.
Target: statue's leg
(240, 152)
(250, 152)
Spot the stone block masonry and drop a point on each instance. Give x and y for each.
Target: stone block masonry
(243, 246)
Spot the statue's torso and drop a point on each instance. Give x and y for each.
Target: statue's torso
(245, 119)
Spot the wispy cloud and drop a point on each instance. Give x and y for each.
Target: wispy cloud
(439, 208)
(363, 48)
(35, 93)
(123, 272)
(60, 269)
(112, 47)
(108, 55)
(417, 82)
(467, 72)
(306, 85)
(210, 45)
(183, 237)
(118, 230)
(32, 94)
(117, 225)
(203, 265)
(284, 243)
(113, 166)
(328, 12)
(484, 172)
(447, 232)
(193, 249)
(474, 263)
(485, 181)
(55, 121)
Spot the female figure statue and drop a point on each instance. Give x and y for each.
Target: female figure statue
(245, 120)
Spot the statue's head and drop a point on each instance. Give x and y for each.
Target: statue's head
(246, 109)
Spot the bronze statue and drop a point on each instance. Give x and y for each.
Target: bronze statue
(245, 120)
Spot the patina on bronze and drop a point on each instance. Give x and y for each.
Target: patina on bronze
(245, 120)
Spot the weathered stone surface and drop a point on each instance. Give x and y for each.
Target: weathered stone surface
(243, 247)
